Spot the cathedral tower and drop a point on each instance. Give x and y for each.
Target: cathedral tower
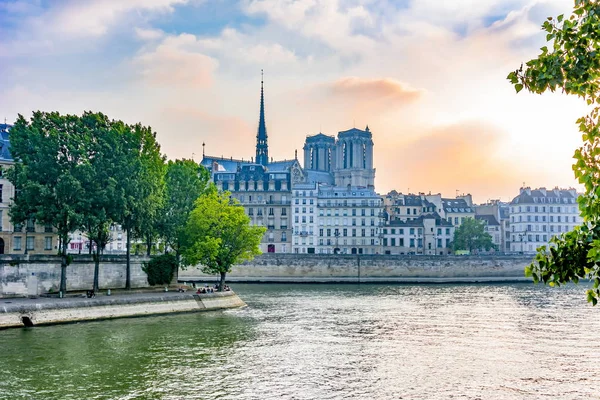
(262, 148)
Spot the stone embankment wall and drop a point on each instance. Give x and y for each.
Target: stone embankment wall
(22, 275)
(44, 311)
(372, 268)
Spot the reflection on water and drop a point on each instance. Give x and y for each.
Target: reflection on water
(324, 342)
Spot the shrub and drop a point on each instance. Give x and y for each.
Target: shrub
(160, 269)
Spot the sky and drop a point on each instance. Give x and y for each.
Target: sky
(427, 76)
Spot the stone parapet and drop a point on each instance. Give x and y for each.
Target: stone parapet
(372, 268)
(49, 311)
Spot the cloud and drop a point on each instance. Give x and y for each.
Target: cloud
(384, 90)
(149, 34)
(174, 62)
(61, 27)
(463, 156)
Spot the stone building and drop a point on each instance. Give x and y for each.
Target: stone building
(31, 238)
(428, 234)
(456, 210)
(500, 213)
(261, 185)
(305, 211)
(536, 215)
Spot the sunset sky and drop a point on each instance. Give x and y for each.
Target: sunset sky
(427, 76)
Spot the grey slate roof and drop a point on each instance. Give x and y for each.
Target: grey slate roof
(456, 206)
(488, 219)
(320, 176)
(280, 166)
(229, 164)
(530, 196)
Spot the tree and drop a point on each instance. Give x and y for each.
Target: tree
(160, 269)
(185, 182)
(572, 64)
(218, 235)
(471, 235)
(141, 183)
(103, 201)
(50, 162)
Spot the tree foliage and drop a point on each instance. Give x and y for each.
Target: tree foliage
(218, 235)
(471, 235)
(571, 63)
(161, 269)
(86, 172)
(51, 164)
(185, 182)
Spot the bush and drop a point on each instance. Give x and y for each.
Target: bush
(160, 269)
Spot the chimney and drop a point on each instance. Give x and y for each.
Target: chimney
(543, 190)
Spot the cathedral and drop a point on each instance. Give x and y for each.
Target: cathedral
(327, 205)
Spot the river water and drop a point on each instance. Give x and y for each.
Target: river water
(504, 341)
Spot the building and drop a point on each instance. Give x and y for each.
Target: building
(456, 210)
(18, 239)
(305, 211)
(261, 185)
(536, 215)
(80, 244)
(350, 220)
(427, 234)
(406, 207)
(492, 227)
(500, 213)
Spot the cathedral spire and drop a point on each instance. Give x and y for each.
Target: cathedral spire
(262, 148)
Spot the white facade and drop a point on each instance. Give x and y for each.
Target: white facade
(536, 215)
(304, 218)
(350, 221)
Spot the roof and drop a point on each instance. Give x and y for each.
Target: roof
(556, 195)
(225, 164)
(320, 176)
(320, 137)
(439, 221)
(457, 206)
(280, 166)
(488, 219)
(355, 132)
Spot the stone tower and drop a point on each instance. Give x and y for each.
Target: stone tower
(354, 159)
(319, 153)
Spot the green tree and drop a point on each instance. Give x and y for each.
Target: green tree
(218, 235)
(471, 236)
(51, 159)
(141, 182)
(185, 182)
(160, 269)
(571, 63)
(103, 201)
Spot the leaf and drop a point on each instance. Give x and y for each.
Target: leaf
(518, 87)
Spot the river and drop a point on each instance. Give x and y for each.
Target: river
(475, 341)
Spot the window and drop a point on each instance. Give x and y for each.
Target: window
(30, 242)
(17, 243)
(48, 243)
(0, 193)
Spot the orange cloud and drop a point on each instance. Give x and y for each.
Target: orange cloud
(385, 89)
(462, 157)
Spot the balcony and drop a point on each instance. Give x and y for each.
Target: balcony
(303, 233)
(270, 226)
(283, 227)
(279, 202)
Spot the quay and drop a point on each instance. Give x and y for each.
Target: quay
(27, 312)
